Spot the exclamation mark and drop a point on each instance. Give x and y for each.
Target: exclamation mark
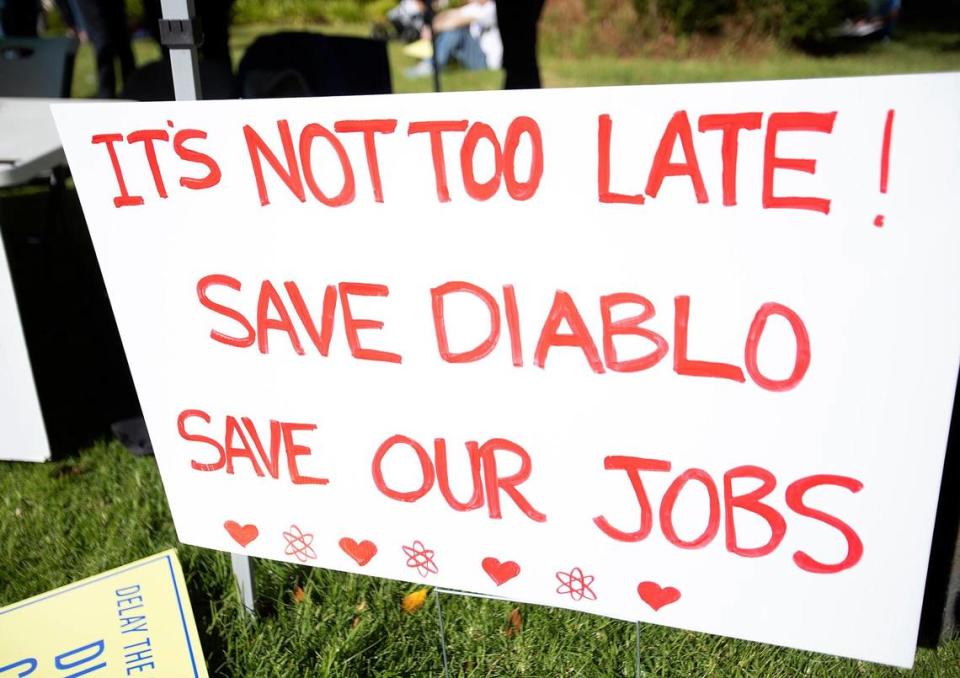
(885, 162)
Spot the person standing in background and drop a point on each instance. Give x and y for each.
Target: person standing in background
(887, 12)
(105, 23)
(518, 20)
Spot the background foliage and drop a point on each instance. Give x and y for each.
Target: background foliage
(786, 20)
(631, 26)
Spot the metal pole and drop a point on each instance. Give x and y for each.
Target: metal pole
(637, 649)
(443, 639)
(183, 58)
(429, 14)
(180, 35)
(243, 573)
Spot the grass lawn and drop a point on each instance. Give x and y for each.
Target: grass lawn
(917, 52)
(66, 520)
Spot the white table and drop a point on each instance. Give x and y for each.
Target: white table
(29, 145)
(29, 148)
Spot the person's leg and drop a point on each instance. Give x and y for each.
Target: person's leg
(215, 20)
(95, 23)
(469, 53)
(891, 14)
(67, 14)
(447, 44)
(517, 21)
(119, 35)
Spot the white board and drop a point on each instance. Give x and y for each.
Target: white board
(842, 396)
(21, 419)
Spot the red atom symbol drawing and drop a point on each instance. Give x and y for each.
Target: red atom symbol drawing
(420, 557)
(576, 584)
(298, 544)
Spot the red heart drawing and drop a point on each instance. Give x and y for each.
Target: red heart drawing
(242, 534)
(656, 596)
(361, 552)
(500, 572)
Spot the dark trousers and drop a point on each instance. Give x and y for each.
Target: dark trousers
(106, 24)
(517, 21)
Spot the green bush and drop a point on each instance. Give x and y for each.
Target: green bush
(345, 11)
(585, 28)
(309, 11)
(376, 10)
(803, 20)
(279, 11)
(696, 16)
(786, 20)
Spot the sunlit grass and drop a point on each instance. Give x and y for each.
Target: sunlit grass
(915, 53)
(63, 521)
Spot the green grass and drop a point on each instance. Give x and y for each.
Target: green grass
(63, 521)
(915, 52)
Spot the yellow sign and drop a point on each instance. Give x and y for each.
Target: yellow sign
(131, 621)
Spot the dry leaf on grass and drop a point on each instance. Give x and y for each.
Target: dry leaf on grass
(514, 623)
(360, 608)
(298, 594)
(414, 601)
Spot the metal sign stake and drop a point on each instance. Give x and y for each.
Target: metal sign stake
(243, 574)
(180, 33)
(637, 650)
(443, 639)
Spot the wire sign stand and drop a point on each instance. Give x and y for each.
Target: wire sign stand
(444, 655)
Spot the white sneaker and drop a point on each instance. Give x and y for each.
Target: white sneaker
(423, 69)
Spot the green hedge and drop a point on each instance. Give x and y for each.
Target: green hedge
(787, 20)
(310, 11)
(799, 20)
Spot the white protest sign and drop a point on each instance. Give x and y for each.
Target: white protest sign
(680, 354)
(21, 419)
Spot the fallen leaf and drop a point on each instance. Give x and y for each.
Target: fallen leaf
(414, 601)
(514, 623)
(361, 607)
(355, 623)
(298, 594)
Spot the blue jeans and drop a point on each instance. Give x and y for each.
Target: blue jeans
(889, 11)
(460, 45)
